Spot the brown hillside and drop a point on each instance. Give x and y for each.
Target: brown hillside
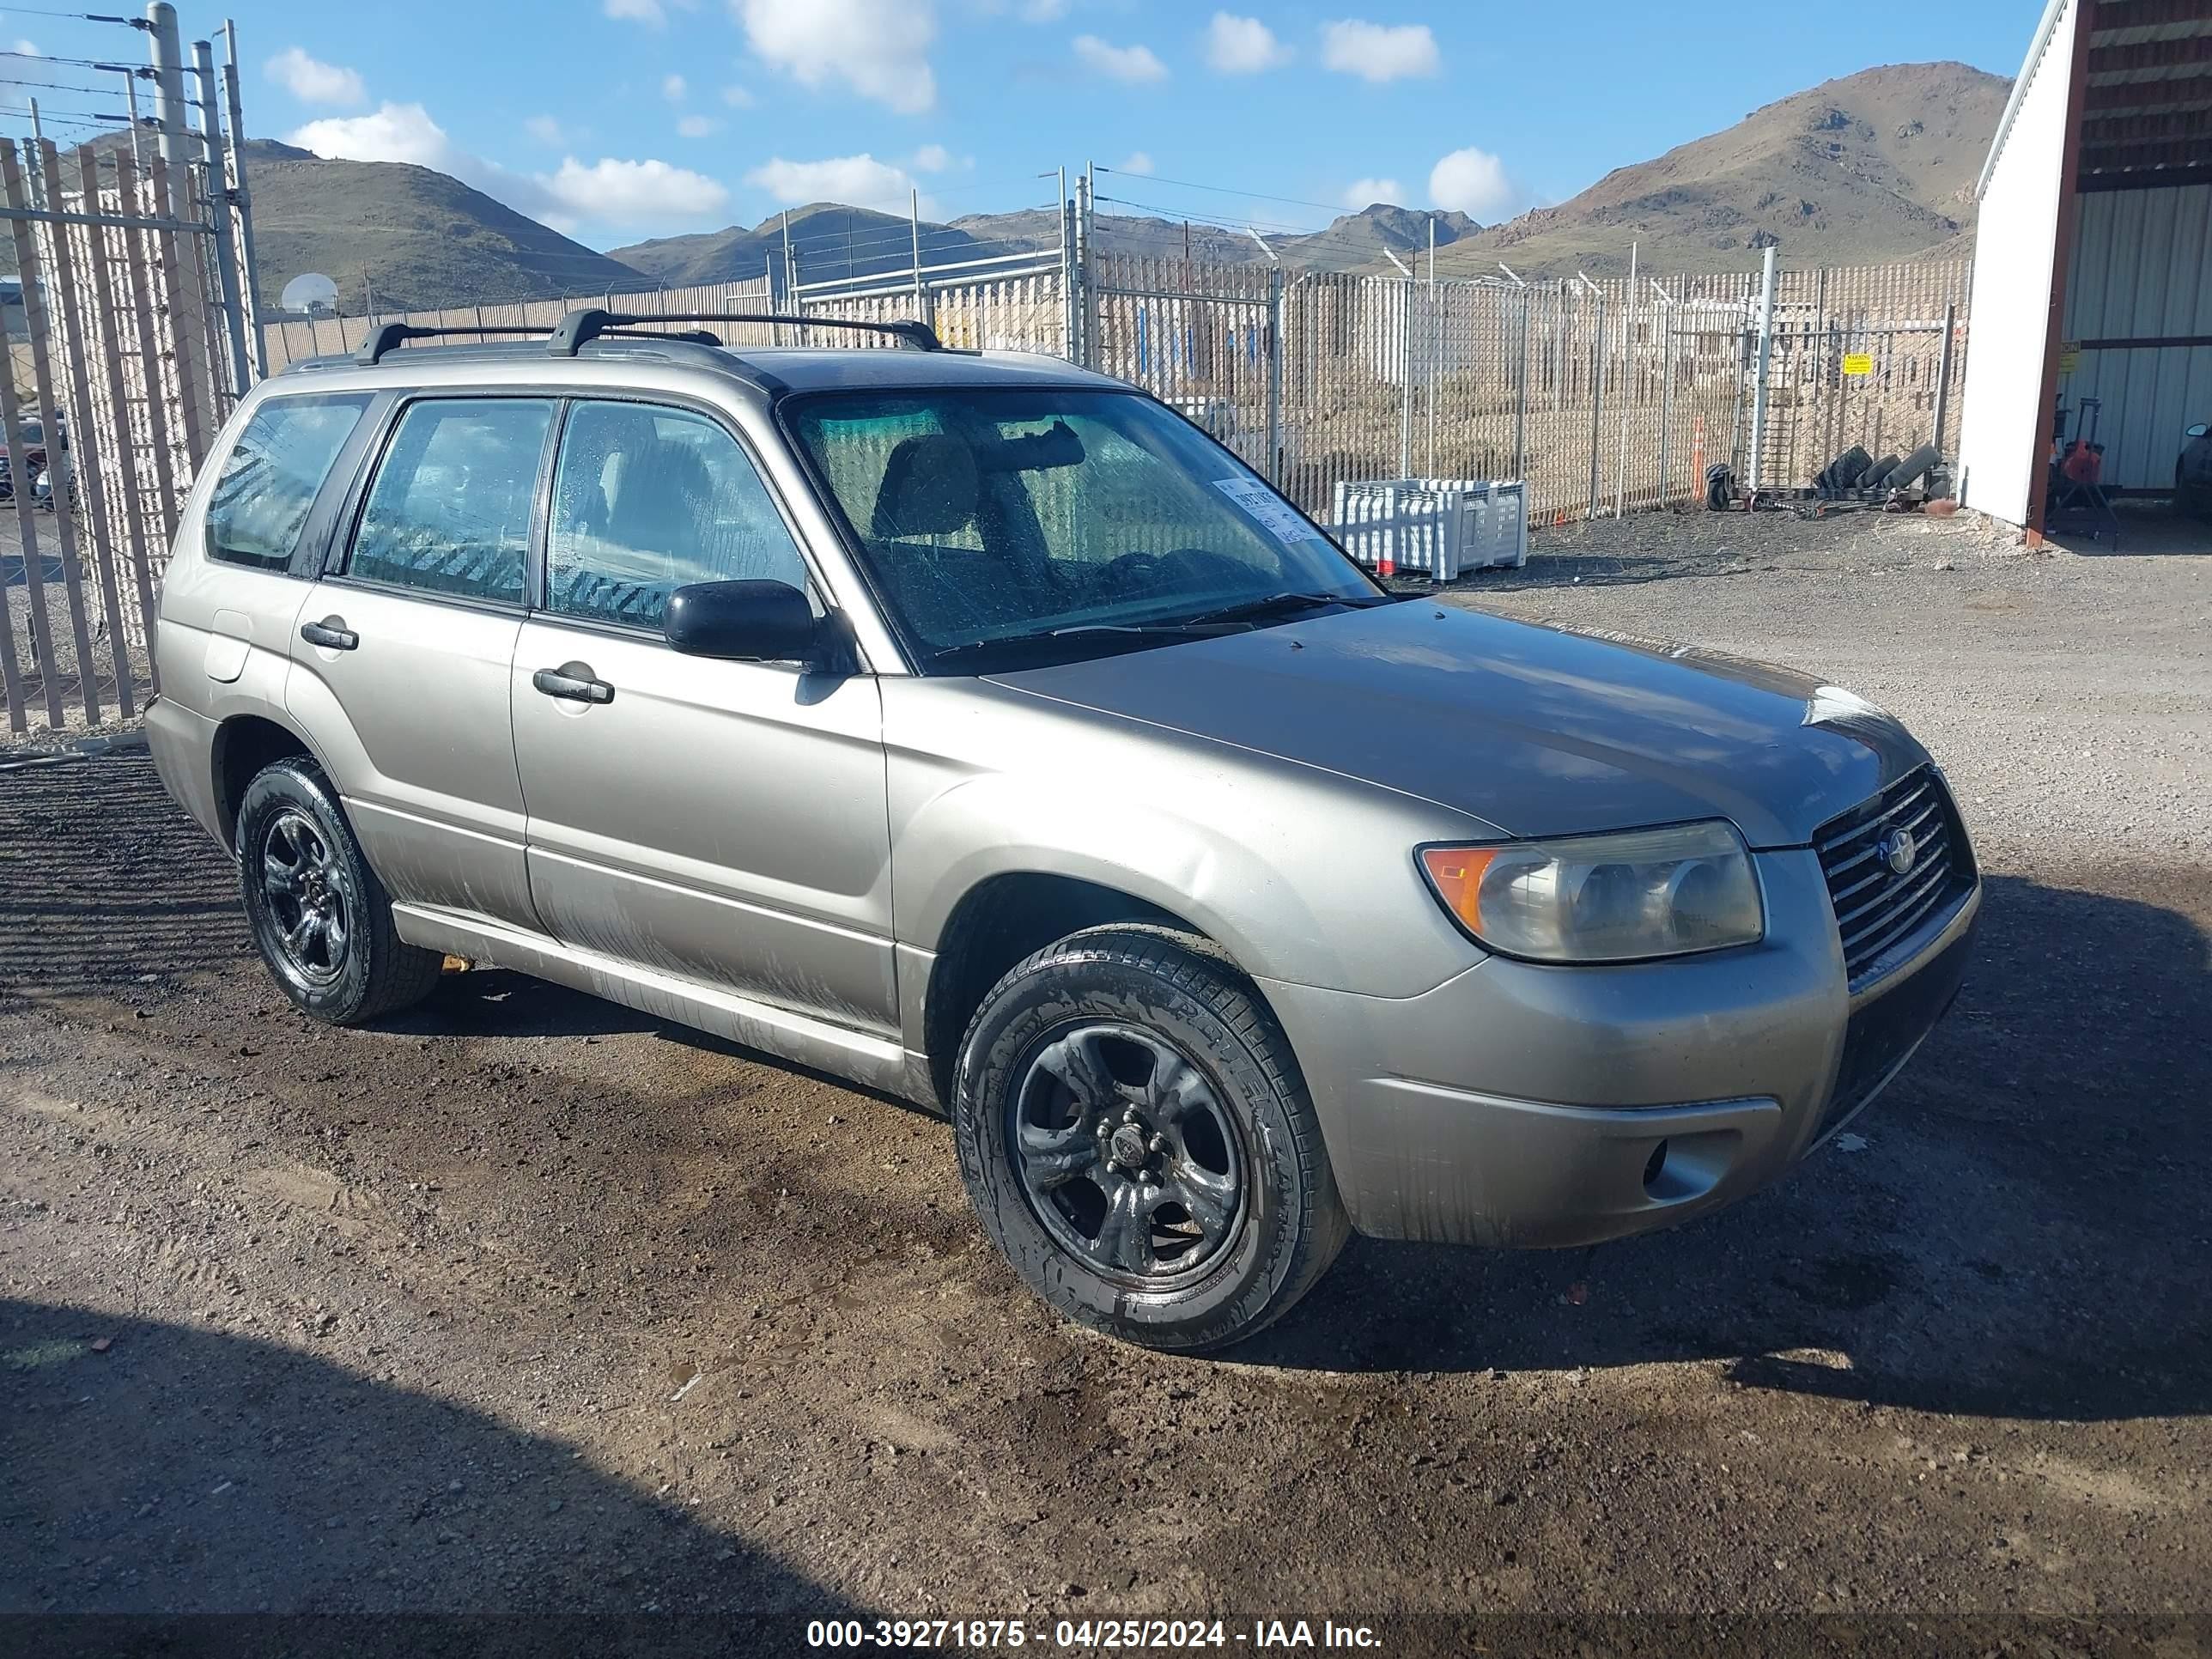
(1880, 165)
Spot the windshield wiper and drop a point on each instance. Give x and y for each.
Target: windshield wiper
(1269, 604)
(1015, 645)
(1205, 627)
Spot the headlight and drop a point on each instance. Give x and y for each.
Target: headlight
(1604, 898)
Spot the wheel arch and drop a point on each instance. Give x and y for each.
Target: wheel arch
(1004, 917)
(243, 744)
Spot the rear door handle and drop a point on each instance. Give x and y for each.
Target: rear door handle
(574, 681)
(332, 634)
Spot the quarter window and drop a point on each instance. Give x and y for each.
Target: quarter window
(647, 499)
(270, 478)
(450, 510)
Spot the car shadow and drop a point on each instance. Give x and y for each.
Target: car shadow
(2016, 1229)
(154, 1469)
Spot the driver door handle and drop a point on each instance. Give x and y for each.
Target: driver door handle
(574, 682)
(332, 634)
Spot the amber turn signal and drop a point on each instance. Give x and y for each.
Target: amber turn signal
(1457, 874)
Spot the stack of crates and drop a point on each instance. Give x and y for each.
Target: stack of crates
(1439, 527)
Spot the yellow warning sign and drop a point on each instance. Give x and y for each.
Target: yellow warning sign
(2070, 356)
(1858, 362)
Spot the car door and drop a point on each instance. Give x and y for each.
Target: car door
(720, 821)
(406, 649)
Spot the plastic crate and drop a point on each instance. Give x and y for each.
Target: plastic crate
(1439, 527)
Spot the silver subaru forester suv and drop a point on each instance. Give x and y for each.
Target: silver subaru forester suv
(976, 728)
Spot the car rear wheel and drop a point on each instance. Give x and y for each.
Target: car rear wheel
(1137, 1138)
(320, 917)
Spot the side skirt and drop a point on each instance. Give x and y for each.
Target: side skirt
(872, 1062)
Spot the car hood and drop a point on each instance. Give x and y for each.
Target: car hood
(1535, 730)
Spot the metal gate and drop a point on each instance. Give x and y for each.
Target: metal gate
(114, 390)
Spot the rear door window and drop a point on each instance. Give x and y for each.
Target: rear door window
(269, 480)
(449, 512)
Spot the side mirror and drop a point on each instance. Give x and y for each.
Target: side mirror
(741, 621)
(2196, 431)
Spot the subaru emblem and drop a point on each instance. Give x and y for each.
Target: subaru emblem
(1899, 851)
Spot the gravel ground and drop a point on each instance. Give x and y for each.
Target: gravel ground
(529, 1303)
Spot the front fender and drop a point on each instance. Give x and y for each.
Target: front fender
(1300, 875)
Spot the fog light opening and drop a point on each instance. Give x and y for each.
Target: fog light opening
(1654, 1166)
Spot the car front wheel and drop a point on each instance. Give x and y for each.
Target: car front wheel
(1137, 1138)
(320, 917)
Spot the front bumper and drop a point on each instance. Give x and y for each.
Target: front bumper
(1612, 1099)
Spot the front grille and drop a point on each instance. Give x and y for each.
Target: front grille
(1877, 909)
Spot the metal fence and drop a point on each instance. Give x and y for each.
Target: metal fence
(116, 387)
(1604, 396)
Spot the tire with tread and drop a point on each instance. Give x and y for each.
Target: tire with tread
(380, 973)
(1185, 992)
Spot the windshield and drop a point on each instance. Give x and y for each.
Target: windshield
(995, 522)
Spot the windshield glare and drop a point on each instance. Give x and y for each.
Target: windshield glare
(995, 517)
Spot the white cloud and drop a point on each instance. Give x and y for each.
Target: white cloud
(607, 192)
(1243, 45)
(1042, 11)
(23, 48)
(860, 179)
(1473, 182)
(1135, 161)
(1375, 52)
(1130, 64)
(310, 80)
(736, 97)
(879, 48)
(698, 126)
(932, 158)
(636, 11)
(1365, 192)
(394, 132)
(613, 193)
(674, 88)
(545, 129)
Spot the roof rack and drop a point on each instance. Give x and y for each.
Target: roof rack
(592, 322)
(389, 336)
(595, 323)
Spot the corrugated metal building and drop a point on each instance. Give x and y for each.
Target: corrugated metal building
(2093, 264)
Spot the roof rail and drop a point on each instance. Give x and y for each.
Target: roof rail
(389, 336)
(590, 323)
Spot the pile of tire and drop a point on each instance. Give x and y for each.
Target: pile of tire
(1854, 472)
(1842, 474)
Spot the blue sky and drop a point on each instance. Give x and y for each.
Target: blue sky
(618, 119)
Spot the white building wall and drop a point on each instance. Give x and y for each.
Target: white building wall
(2004, 426)
(2141, 271)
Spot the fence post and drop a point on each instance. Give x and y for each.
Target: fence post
(74, 482)
(249, 266)
(1765, 355)
(124, 459)
(218, 192)
(38, 326)
(1521, 402)
(1627, 387)
(1943, 373)
(1666, 397)
(1597, 400)
(1275, 375)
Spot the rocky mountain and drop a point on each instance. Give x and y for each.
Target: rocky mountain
(417, 237)
(1880, 165)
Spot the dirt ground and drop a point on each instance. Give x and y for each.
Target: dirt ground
(527, 1303)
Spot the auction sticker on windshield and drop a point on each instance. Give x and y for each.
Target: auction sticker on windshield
(1276, 516)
